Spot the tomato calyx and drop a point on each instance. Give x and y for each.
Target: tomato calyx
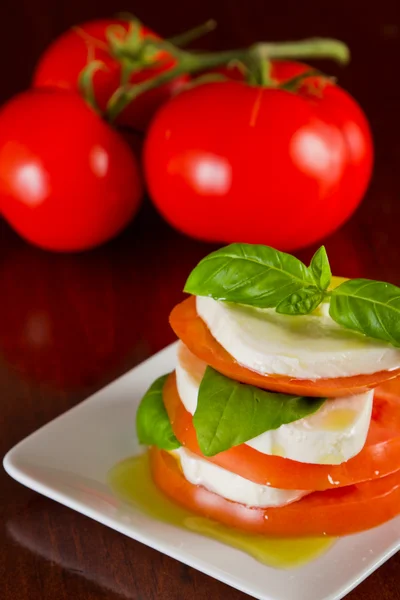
(133, 50)
(129, 49)
(136, 52)
(316, 81)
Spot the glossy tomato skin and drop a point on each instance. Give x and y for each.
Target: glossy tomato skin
(64, 59)
(68, 181)
(230, 162)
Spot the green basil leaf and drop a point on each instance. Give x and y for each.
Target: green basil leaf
(320, 268)
(302, 302)
(229, 413)
(369, 307)
(249, 274)
(152, 422)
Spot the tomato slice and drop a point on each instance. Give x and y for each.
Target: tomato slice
(192, 330)
(379, 457)
(334, 512)
(389, 389)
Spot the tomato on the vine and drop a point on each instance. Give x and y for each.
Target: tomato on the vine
(62, 63)
(68, 181)
(228, 161)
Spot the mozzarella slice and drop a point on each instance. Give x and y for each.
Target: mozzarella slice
(303, 347)
(332, 435)
(231, 486)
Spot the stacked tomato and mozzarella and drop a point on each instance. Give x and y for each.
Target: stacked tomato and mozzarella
(333, 472)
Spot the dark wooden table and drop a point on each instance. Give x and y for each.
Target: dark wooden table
(70, 324)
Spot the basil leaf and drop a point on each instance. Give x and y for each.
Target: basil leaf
(229, 413)
(302, 302)
(369, 307)
(152, 422)
(320, 268)
(249, 274)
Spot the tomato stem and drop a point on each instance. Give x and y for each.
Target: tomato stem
(252, 57)
(259, 72)
(308, 48)
(265, 73)
(184, 39)
(85, 83)
(187, 63)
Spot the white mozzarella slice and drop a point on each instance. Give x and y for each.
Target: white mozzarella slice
(231, 486)
(304, 347)
(332, 435)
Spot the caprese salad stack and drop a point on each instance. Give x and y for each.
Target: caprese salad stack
(270, 423)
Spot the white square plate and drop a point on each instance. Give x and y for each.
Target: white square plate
(68, 460)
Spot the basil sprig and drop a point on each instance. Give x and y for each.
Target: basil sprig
(263, 277)
(321, 269)
(152, 423)
(249, 274)
(230, 413)
(300, 303)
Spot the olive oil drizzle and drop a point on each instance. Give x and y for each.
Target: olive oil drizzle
(131, 481)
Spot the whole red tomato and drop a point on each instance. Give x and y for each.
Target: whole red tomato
(65, 58)
(67, 180)
(227, 161)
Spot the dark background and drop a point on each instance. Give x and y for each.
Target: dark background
(70, 323)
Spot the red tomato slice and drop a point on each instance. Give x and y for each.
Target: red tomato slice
(390, 389)
(192, 330)
(379, 457)
(334, 512)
